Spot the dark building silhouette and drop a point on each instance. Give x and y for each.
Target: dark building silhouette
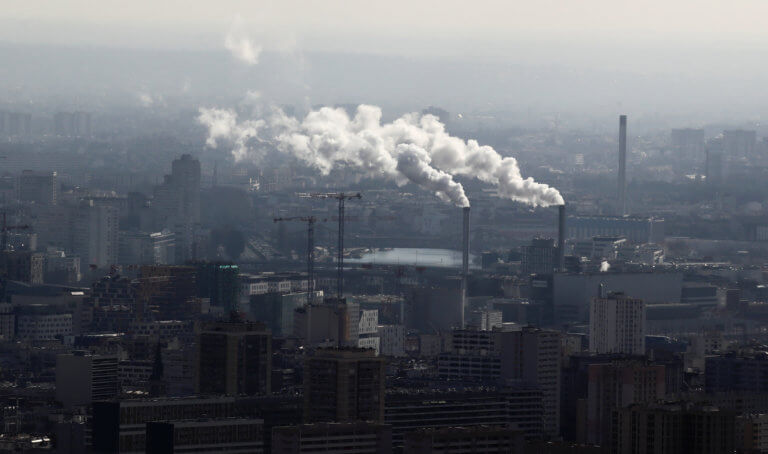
(343, 385)
(234, 358)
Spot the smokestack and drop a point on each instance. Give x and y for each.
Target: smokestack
(561, 238)
(465, 244)
(464, 263)
(622, 193)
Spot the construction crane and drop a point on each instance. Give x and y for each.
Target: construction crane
(310, 220)
(7, 228)
(341, 197)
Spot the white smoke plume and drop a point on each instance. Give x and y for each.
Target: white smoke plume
(328, 136)
(412, 148)
(604, 266)
(240, 44)
(413, 162)
(223, 125)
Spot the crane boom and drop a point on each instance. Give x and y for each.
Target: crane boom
(310, 220)
(341, 197)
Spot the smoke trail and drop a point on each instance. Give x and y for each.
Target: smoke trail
(240, 45)
(412, 148)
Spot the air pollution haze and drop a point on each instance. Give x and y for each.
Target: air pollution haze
(413, 148)
(223, 125)
(240, 44)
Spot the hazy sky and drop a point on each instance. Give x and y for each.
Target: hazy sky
(583, 55)
(396, 26)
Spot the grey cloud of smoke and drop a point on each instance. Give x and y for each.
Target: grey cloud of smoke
(240, 44)
(412, 148)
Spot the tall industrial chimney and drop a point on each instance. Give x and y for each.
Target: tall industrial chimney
(464, 263)
(561, 238)
(622, 193)
(465, 244)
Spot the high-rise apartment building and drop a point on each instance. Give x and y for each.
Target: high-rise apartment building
(38, 187)
(617, 325)
(529, 356)
(95, 234)
(532, 356)
(714, 168)
(83, 378)
(344, 385)
(673, 428)
(177, 205)
(332, 323)
(408, 410)
(141, 248)
(185, 173)
(735, 372)
(617, 385)
(219, 282)
(72, 124)
(391, 340)
(739, 142)
(166, 292)
(234, 358)
(23, 266)
(688, 142)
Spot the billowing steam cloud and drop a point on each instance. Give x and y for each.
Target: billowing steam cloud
(328, 137)
(413, 162)
(240, 45)
(412, 148)
(223, 125)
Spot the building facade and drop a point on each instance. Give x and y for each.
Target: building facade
(617, 325)
(343, 385)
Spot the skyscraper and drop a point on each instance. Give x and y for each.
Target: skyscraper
(177, 204)
(344, 385)
(617, 325)
(532, 355)
(234, 358)
(185, 173)
(95, 234)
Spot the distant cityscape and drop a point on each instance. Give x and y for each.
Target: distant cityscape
(159, 297)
